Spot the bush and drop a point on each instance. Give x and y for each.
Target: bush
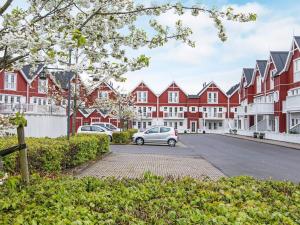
(151, 200)
(54, 155)
(132, 132)
(121, 137)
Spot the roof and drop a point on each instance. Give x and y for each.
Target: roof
(297, 39)
(193, 96)
(26, 70)
(279, 59)
(233, 89)
(261, 64)
(63, 77)
(248, 72)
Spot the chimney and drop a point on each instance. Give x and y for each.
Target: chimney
(204, 84)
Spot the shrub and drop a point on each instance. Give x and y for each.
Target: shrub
(82, 149)
(132, 132)
(151, 200)
(54, 155)
(121, 137)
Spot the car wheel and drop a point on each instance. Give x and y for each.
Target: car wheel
(172, 143)
(139, 141)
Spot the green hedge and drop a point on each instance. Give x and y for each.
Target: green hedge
(151, 200)
(122, 137)
(55, 155)
(132, 132)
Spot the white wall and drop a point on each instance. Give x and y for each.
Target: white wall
(46, 126)
(292, 138)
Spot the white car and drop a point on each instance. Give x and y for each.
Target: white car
(94, 129)
(108, 126)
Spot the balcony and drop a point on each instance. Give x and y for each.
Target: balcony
(214, 116)
(292, 103)
(168, 115)
(32, 109)
(261, 108)
(242, 110)
(143, 115)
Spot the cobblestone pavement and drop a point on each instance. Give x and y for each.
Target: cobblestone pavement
(135, 165)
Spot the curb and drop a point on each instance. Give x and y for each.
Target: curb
(266, 141)
(77, 170)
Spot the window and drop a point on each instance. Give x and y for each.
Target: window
(164, 129)
(40, 101)
(42, 86)
(180, 124)
(180, 109)
(272, 73)
(220, 109)
(97, 129)
(1, 98)
(153, 130)
(149, 124)
(173, 97)
(10, 81)
(103, 94)
(134, 123)
(258, 84)
(297, 70)
(18, 99)
(6, 99)
(212, 97)
(165, 124)
(175, 125)
(193, 109)
(142, 96)
(204, 109)
(86, 128)
(220, 124)
(12, 99)
(139, 125)
(144, 125)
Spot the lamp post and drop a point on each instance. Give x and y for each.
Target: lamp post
(69, 95)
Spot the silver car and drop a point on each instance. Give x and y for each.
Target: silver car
(159, 134)
(94, 129)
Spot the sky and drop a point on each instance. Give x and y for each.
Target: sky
(211, 59)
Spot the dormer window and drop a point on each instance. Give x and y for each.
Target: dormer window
(173, 97)
(272, 74)
(10, 81)
(142, 96)
(212, 97)
(297, 70)
(103, 95)
(258, 84)
(42, 86)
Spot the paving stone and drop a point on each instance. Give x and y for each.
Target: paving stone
(121, 165)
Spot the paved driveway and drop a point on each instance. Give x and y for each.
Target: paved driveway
(232, 156)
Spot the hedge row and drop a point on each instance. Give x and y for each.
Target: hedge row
(55, 155)
(151, 200)
(124, 137)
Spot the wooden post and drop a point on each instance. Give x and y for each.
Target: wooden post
(23, 156)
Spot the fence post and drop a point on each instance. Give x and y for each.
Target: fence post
(23, 156)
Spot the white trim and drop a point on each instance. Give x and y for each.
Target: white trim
(170, 86)
(209, 84)
(289, 58)
(178, 97)
(11, 74)
(142, 82)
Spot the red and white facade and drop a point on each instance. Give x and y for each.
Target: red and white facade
(267, 98)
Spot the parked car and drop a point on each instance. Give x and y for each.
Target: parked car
(158, 134)
(107, 126)
(94, 129)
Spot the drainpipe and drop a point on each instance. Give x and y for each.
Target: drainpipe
(27, 97)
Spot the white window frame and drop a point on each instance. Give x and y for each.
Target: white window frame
(272, 72)
(8, 85)
(142, 96)
(296, 75)
(173, 97)
(258, 84)
(212, 97)
(103, 95)
(42, 89)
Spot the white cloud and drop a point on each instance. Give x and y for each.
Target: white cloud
(212, 59)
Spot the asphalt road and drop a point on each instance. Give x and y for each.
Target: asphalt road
(234, 157)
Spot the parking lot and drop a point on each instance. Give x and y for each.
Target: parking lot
(224, 155)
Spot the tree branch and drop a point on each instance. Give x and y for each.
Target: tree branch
(5, 6)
